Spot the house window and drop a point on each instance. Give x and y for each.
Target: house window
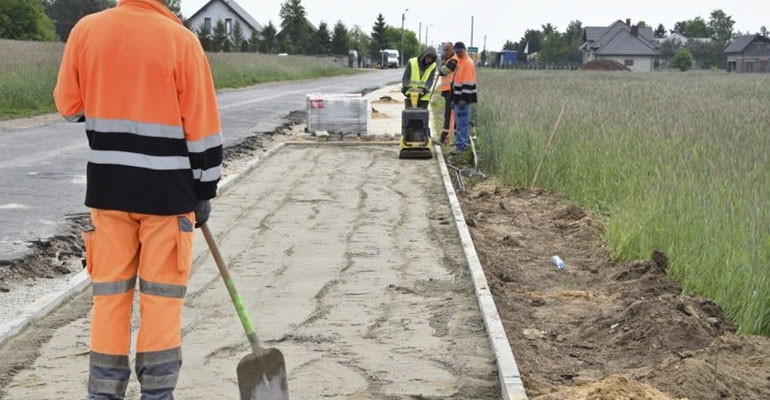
(229, 26)
(629, 63)
(207, 24)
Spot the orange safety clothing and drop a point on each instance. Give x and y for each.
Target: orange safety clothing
(447, 70)
(464, 84)
(143, 84)
(156, 251)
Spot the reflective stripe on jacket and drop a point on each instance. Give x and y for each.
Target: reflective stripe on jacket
(448, 73)
(464, 84)
(144, 86)
(417, 81)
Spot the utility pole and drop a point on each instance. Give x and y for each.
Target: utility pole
(419, 34)
(426, 35)
(403, 17)
(471, 31)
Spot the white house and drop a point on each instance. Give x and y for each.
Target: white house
(228, 11)
(629, 45)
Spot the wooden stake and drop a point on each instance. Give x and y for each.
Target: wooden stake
(548, 145)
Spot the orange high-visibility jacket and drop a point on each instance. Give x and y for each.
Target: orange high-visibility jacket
(144, 86)
(448, 73)
(464, 84)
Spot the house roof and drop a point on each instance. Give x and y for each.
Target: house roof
(236, 9)
(592, 33)
(739, 44)
(617, 40)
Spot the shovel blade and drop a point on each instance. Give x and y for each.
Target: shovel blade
(263, 377)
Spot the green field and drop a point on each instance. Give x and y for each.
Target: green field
(677, 162)
(28, 73)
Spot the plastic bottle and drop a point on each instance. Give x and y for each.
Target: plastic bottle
(558, 261)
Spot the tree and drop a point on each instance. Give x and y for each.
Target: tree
(176, 7)
(683, 59)
(220, 40)
(379, 42)
(509, 45)
(66, 13)
(574, 33)
(680, 27)
(340, 39)
(721, 26)
(323, 39)
(660, 32)
(708, 54)
(294, 26)
(548, 29)
(269, 42)
(574, 38)
(204, 36)
(697, 28)
(763, 31)
(237, 37)
(253, 43)
(554, 48)
(359, 40)
(412, 46)
(25, 20)
(532, 40)
(642, 24)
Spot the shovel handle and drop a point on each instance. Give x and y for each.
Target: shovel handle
(248, 326)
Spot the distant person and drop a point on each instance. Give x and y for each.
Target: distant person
(447, 72)
(463, 95)
(142, 84)
(419, 75)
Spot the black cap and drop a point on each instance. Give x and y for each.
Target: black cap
(459, 46)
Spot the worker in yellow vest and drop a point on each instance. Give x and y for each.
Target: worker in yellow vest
(419, 75)
(447, 72)
(463, 95)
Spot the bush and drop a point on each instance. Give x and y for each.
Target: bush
(683, 59)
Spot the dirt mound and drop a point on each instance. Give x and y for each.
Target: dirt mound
(596, 318)
(604, 65)
(614, 387)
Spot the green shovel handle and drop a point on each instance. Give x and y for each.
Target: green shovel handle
(248, 326)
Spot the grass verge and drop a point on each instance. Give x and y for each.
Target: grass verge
(676, 162)
(28, 73)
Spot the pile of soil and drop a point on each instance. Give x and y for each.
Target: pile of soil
(50, 258)
(573, 330)
(604, 65)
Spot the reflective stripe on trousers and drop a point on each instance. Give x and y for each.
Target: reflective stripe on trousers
(156, 251)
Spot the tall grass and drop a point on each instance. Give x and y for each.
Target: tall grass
(678, 162)
(28, 73)
(27, 77)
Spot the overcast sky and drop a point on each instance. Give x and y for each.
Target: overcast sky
(501, 20)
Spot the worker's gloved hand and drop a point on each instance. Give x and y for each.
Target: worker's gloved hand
(424, 91)
(461, 103)
(202, 211)
(404, 90)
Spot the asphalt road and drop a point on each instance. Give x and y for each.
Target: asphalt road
(42, 169)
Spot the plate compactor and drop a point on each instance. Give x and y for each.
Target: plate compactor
(415, 131)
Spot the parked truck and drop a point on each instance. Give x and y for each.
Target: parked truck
(507, 58)
(389, 58)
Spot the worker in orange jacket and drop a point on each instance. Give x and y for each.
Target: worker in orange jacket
(463, 95)
(447, 72)
(141, 83)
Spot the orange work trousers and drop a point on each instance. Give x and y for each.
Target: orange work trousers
(156, 250)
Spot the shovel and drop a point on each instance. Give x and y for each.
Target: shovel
(261, 374)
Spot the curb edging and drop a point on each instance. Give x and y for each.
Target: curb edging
(511, 384)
